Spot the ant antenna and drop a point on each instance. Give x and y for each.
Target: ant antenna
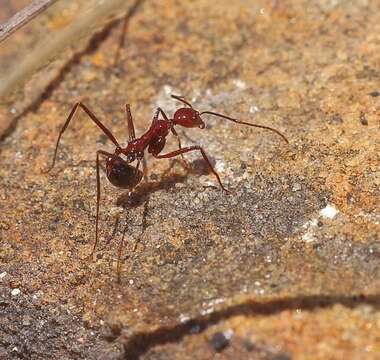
(245, 123)
(182, 99)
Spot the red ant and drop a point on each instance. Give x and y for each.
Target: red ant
(125, 176)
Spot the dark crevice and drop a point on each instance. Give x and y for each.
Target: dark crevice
(140, 343)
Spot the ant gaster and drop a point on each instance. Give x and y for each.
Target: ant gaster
(119, 171)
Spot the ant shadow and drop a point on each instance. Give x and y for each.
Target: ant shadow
(141, 195)
(167, 181)
(141, 342)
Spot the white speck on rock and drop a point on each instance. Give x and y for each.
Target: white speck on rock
(164, 100)
(220, 166)
(240, 84)
(206, 311)
(254, 109)
(216, 302)
(228, 334)
(296, 187)
(308, 237)
(15, 292)
(184, 318)
(309, 225)
(329, 212)
(3, 274)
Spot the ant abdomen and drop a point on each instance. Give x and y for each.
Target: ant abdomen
(121, 174)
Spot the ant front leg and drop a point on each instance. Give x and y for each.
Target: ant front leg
(131, 128)
(67, 122)
(193, 148)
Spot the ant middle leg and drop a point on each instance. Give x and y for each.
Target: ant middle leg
(189, 149)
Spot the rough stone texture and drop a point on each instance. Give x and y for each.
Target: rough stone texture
(285, 268)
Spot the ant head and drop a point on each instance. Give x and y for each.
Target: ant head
(188, 117)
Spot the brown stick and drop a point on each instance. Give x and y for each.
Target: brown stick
(23, 17)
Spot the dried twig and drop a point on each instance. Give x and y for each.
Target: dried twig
(23, 17)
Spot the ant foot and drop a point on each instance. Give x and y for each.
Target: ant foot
(227, 192)
(91, 257)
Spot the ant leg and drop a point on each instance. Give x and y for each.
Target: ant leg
(98, 153)
(185, 163)
(131, 128)
(122, 40)
(66, 124)
(193, 148)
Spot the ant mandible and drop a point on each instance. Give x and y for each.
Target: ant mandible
(119, 171)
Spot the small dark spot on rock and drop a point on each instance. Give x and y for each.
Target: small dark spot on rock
(363, 119)
(219, 341)
(249, 345)
(336, 119)
(3, 302)
(281, 357)
(195, 329)
(350, 198)
(112, 331)
(374, 93)
(102, 139)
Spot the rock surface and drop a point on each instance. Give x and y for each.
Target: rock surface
(287, 267)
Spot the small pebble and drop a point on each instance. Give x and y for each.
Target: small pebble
(296, 187)
(27, 320)
(219, 341)
(329, 212)
(16, 292)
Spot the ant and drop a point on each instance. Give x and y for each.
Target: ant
(119, 171)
